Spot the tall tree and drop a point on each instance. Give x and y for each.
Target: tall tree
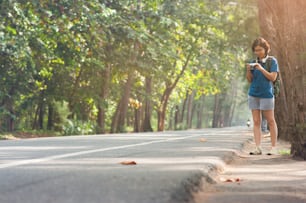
(282, 23)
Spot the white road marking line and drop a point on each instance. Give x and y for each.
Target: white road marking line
(45, 159)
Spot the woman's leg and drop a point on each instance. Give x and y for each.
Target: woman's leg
(257, 126)
(269, 115)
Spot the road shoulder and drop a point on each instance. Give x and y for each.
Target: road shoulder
(263, 178)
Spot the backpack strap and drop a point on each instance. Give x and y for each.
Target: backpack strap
(269, 63)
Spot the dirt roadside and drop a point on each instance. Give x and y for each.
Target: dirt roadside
(259, 179)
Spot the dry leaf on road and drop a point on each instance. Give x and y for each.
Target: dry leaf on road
(230, 180)
(128, 163)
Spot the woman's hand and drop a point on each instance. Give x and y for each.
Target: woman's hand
(259, 67)
(248, 66)
(269, 75)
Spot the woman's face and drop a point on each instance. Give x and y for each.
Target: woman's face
(260, 52)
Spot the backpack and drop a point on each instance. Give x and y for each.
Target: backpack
(277, 81)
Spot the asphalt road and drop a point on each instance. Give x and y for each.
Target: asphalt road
(86, 169)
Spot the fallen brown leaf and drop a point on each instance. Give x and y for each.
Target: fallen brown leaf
(128, 163)
(230, 180)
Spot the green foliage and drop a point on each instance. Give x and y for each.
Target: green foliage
(78, 128)
(54, 54)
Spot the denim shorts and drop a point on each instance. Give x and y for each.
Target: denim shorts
(261, 103)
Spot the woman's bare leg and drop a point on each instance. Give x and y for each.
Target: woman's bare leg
(269, 115)
(257, 126)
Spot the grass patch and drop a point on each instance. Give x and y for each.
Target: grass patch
(27, 134)
(284, 152)
(7, 137)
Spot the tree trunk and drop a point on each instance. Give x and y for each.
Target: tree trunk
(34, 126)
(71, 98)
(101, 119)
(119, 118)
(171, 119)
(200, 112)
(115, 118)
(161, 113)
(147, 127)
(105, 76)
(283, 24)
(8, 104)
(125, 103)
(176, 116)
(10, 118)
(217, 111)
(50, 124)
(194, 107)
(230, 105)
(41, 115)
(137, 120)
(190, 110)
(233, 108)
(226, 112)
(184, 108)
(137, 115)
(218, 114)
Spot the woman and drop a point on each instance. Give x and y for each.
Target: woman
(261, 97)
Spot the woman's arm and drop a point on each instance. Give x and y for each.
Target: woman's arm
(270, 76)
(249, 75)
